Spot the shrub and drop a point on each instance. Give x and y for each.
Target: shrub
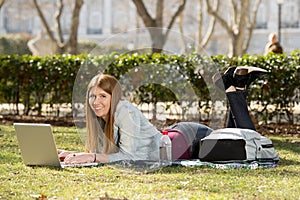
(34, 80)
(14, 44)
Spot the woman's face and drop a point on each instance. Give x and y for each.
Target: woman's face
(99, 101)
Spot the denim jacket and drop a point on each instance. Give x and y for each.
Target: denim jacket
(136, 137)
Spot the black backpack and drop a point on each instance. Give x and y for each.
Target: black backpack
(235, 144)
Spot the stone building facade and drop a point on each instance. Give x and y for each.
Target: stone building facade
(102, 19)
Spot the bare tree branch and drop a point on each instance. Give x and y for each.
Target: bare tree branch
(234, 12)
(157, 36)
(144, 14)
(221, 20)
(177, 13)
(159, 13)
(200, 22)
(58, 28)
(44, 22)
(61, 45)
(1, 3)
(240, 27)
(182, 31)
(243, 20)
(211, 26)
(74, 26)
(252, 23)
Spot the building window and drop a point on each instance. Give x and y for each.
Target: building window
(94, 23)
(17, 19)
(290, 14)
(261, 18)
(95, 17)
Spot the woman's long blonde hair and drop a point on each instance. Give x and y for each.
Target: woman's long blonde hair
(95, 133)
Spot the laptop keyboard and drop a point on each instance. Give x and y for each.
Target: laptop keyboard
(63, 165)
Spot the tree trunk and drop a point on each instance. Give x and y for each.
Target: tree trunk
(61, 45)
(158, 40)
(201, 40)
(74, 26)
(156, 24)
(240, 25)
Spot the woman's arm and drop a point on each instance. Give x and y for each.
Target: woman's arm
(82, 157)
(138, 138)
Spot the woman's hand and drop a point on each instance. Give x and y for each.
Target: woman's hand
(78, 158)
(62, 154)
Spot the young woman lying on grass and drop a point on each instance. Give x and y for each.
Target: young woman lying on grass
(117, 130)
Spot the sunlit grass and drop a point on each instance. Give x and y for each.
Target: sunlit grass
(21, 182)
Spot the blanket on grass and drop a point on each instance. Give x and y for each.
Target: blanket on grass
(148, 166)
(235, 165)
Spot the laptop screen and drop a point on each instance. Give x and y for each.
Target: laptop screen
(36, 143)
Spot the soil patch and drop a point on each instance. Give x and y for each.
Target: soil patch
(55, 121)
(269, 129)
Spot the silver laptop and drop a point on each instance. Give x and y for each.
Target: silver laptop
(37, 146)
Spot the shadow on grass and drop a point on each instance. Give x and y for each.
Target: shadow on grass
(288, 162)
(10, 154)
(281, 145)
(288, 145)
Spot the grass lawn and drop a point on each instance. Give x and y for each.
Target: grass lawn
(110, 182)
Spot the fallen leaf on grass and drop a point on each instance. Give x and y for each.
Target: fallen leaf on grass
(38, 196)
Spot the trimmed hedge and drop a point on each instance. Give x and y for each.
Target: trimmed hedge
(34, 80)
(11, 44)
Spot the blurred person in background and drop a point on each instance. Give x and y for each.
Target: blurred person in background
(273, 44)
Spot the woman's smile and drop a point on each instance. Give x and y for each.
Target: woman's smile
(100, 102)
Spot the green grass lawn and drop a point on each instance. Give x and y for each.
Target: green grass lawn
(21, 182)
